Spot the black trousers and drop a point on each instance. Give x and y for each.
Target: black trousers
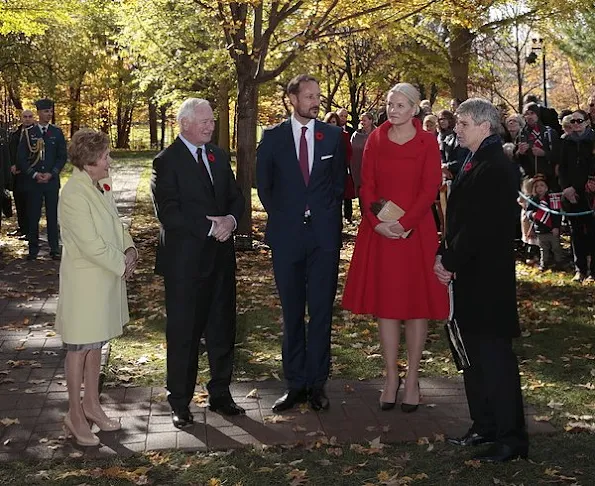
(493, 388)
(36, 195)
(306, 278)
(582, 237)
(20, 203)
(197, 306)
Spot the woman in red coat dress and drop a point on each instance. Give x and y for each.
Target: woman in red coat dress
(391, 275)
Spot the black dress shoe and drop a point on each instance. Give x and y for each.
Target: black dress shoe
(470, 439)
(225, 405)
(290, 399)
(55, 256)
(410, 407)
(318, 399)
(501, 453)
(31, 257)
(181, 418)
(14, 233)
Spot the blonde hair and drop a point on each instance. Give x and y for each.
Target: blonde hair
(408, 91)
(528, 187)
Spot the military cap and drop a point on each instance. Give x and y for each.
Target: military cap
(44, 104)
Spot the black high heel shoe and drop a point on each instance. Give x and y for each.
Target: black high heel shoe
(408, 407)
(384, 406)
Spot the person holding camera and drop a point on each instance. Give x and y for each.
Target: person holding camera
(538, 150)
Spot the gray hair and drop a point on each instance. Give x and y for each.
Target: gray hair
(480, 111)
(188, 108)
(519, 118)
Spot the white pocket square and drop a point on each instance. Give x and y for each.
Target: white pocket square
(324, 157)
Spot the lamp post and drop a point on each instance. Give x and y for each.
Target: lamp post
(539, 46)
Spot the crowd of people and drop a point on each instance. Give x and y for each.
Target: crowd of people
(425, 184)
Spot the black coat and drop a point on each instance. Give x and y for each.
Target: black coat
(577, 163)
(479, 244)
(183, 197)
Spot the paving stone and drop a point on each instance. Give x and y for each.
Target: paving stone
(161, 440)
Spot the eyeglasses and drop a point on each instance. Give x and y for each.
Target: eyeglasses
(577, 120)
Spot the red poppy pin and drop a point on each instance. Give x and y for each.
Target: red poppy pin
(106, 187)
(467, 167)
(319, 135)
(210, 157)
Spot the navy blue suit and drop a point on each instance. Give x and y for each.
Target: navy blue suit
(305, 250)
(52, 161)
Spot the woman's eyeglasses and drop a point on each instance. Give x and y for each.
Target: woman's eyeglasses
(576, 120)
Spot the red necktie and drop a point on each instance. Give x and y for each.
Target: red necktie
(304, 156)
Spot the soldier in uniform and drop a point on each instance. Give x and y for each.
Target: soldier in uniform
(41, 156)
(18, 178)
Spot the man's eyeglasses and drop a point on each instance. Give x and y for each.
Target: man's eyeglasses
(577, 120)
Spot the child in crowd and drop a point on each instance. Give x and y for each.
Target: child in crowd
(545, 224)
(528, 235)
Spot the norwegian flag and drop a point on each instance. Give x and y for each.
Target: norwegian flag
(543, 216)
(555, 200)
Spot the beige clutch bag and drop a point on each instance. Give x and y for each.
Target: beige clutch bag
(391, 213)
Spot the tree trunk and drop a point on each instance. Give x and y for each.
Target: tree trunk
(247, 109)
(124, 124)
(223, 112)
(163, 112)
(459, 50)
(74, 98)
(153, 125)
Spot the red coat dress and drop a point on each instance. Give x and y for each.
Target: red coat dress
(394, 279)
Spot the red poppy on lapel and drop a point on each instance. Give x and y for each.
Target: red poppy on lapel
(319, 135)
(106, 187)
(467, 167)
(211, 157)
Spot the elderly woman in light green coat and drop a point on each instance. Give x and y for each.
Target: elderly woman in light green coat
(98, 257)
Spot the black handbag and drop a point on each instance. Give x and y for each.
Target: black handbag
(6, 203)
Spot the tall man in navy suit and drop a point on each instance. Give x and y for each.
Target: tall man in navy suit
(41, 157)
(198, 204)
(300, 173)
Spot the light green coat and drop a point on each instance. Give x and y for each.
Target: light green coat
(92, 304)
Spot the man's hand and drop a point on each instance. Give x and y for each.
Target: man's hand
(590, 185)
(14, 170)
(523, 147)
(446, 173)
(43, 177)
(570, 194)
(444, 276)
(538, 152)
(384, 229)
(131, 260)
(224, 226)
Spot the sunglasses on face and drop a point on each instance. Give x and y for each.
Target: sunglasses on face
(577, 120)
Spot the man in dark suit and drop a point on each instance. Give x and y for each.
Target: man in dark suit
(41, 157)
(478, 253)
(18, 178)
(198, 204)
(300, 173)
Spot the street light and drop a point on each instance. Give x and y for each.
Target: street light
(539, 46)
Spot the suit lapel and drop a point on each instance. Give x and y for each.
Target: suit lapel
(318, 142)
(293, 161)
(191, 163)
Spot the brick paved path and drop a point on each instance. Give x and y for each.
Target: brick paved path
(33, 389)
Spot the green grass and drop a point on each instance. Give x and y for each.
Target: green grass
(322, 463)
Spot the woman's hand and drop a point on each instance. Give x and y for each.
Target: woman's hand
(397, 228)
(384, 229)
(131, 259)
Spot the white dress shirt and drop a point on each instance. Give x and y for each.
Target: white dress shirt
(296, 128)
